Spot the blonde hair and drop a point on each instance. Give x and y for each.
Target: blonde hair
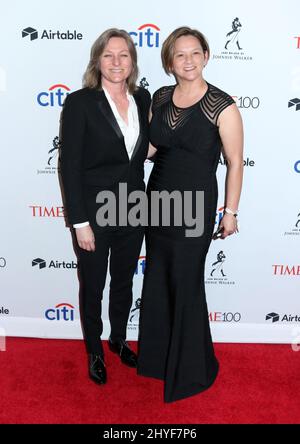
(92, 75)
(167, 51)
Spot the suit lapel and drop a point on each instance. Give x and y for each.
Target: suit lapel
(108, 114)
(139, 139)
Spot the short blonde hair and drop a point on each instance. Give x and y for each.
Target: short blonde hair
(92, 75)
(167, 51)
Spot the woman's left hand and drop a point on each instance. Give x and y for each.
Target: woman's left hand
(229, 223)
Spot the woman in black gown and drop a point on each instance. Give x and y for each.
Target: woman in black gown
(191, 122)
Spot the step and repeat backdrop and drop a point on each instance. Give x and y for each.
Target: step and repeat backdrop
(252, 279)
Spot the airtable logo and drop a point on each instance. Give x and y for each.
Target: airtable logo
(275, 317)
(41, 263)
(147, 35)
(55, 95)
(294, 103)
(272, 316)
(30, 32)
(4, 311)
(51, 35)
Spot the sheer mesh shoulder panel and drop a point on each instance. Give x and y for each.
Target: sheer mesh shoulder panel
(176, 117)
(214, 102)
(161, 96)
(173, 116)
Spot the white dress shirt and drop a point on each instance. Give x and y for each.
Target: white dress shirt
(130, 132)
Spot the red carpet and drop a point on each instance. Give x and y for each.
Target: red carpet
(45, 381)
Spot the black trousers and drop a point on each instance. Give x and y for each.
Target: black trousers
(124, 245)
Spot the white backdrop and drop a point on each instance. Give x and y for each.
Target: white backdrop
(253, 294)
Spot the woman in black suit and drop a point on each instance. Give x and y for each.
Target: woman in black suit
(105, 143)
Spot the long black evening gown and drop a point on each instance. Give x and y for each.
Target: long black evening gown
(175, 342)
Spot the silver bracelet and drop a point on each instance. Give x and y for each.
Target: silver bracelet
(229, 211)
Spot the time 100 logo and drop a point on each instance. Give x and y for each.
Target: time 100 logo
(247, 102)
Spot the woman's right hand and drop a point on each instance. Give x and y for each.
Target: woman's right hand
(85, 238)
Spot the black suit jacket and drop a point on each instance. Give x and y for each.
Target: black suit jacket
(93, 153)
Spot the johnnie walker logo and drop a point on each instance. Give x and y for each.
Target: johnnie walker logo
(134, 315)
(52, 160)
(295, 229)
(144, 83)
(217, 273)
(233, 48)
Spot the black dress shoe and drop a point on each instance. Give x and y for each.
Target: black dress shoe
(128, 357)
(97, 370)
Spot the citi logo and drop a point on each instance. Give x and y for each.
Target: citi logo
(61, 312)
(286, 270)
(30, 32)
(275, 317)
(42, 211)
(55, 95)
(147, 35)
(294, 102)
(50, 35)
(41, 263)
(297, 166)
(140, 268)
